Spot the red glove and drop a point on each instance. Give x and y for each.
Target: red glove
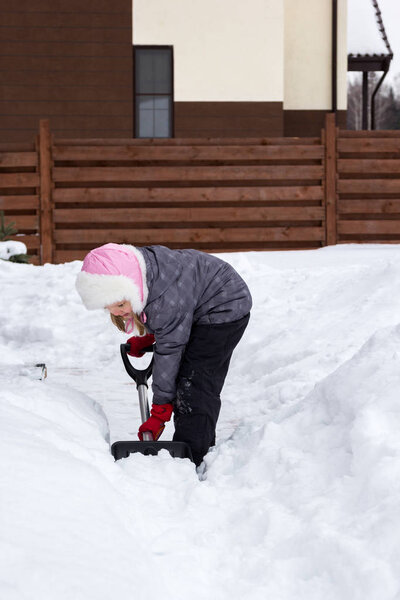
(160, 413)
(138, 342)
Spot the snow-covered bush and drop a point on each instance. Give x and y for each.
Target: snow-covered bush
(9, 249)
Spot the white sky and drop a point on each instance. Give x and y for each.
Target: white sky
(363, 34)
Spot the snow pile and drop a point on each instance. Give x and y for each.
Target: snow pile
(10, 248)
(300, 497)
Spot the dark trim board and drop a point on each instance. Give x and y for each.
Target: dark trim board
(248, 119)
(228, 119)
(306, 123)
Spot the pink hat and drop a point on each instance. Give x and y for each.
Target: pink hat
(112, 273)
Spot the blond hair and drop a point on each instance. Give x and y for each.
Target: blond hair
(119, 322)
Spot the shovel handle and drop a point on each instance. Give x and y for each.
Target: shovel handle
(139, 376)
(144, 411)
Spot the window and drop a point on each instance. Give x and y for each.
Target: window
(153, 91)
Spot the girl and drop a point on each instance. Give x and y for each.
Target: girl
(195, 305)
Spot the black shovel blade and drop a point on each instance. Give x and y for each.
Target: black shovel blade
(176, 449)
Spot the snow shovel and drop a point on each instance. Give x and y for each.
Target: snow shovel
(148, 446)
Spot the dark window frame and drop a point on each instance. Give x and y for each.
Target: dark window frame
(135, 95)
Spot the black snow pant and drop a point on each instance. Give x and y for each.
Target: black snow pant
(200, 380)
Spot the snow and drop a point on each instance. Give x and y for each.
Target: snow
(10, 248)
(365, 39)
(299, 499)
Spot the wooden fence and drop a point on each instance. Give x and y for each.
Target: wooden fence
(68, 196)
(368, 206)
(19, 192)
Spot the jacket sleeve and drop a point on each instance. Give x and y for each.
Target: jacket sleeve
(172, 332)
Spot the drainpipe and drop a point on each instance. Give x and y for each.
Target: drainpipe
(387, 59)
(387, 65)
(365, 77)
(334, 55)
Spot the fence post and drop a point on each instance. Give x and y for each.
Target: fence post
(330, 179)
(45, 193)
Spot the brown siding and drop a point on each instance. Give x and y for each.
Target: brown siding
(308, 122)
(228, 119)
(69, 61)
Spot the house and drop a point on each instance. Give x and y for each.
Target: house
(214, 68)
(242, 69)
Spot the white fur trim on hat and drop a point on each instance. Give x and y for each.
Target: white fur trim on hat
(99, 291)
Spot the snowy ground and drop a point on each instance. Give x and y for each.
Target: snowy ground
(302, 492)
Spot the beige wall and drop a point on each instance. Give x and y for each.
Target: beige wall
(258, 50)
(224, 50)
(308, 51)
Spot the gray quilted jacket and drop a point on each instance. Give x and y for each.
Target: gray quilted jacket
(186, 287)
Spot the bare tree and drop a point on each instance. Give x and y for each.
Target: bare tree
(387, 103)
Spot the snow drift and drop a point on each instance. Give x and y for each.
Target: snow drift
(299, 499)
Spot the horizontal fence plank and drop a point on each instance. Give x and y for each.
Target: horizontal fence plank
(187, 153)
(24, 221)
(369, 186)
(19, 202)
(19, 180)
(18, 159)
(32, 242)
(192, 235)
(369, 166)
(204, 141)
(151, 174)
(348, 133)
(372, 206)
(186, 215)
(190, 194)
(369, 226)
(17, 147)
(63, 255)
(369, 145)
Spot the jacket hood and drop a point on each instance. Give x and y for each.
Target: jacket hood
(161, 276)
